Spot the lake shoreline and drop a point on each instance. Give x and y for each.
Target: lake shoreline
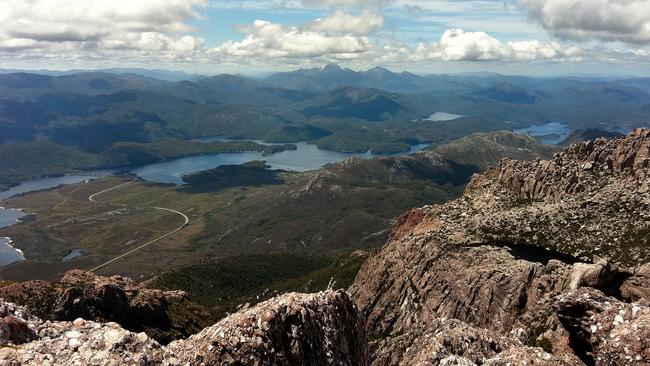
(119, 169)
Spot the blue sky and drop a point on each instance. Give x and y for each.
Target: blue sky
(540, 37)
(411, 25)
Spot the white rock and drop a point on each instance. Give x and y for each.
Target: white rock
(113, 336)
(73, 343)
(79, 322)
(72, 334)
(618, 320)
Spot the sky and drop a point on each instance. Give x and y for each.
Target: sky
(529, 37)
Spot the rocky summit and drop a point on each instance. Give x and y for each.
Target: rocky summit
(545, 262)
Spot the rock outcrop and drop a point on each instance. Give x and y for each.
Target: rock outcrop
(293, 329)
(452, 342)
(16, 324)
(637, 286)
(84, 343)
(506, 255)
(604, 331)
(117, 299)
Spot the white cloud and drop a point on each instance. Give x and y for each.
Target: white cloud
(330, 41)
(270, 40)
(343, 23)
(338, 3)
(74, 32)
(607, 20)
(458, 45)
(56, 25)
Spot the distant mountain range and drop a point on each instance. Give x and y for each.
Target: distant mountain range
(167, 75)
(332, 107)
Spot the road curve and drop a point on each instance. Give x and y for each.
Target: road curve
(186, 221)
(91, 198)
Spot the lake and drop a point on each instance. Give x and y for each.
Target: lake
(8, 217)
(305, 157)
(443, 116)
(551, 133)
(9, 254)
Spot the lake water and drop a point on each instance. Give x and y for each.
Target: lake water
(9, 254)
(551, 133)
(72, 255)
(8, 217)
(305, 157)
(443, 116)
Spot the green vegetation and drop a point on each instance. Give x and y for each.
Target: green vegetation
(97, 119)
(244, 210)
(20, 162)
(225, 283)
(254, 173)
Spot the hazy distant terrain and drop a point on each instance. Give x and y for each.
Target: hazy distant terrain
(100, 119)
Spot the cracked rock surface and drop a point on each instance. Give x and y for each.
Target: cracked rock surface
(509, 257)
(293, 329)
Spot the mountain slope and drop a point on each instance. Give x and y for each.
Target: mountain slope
(364, 104)
(26, 86)
(514, 255)
(351, 204)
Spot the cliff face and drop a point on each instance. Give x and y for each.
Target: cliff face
(509, 255)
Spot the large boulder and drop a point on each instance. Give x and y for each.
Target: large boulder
(17, 325)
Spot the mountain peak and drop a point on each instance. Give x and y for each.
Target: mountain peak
(378, 69)
(332, 67)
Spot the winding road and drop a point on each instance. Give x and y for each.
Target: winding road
(186, 220)
(91, 198)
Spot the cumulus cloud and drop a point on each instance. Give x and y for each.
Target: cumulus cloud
(271, 40)
(458, 45)
(338, 3)
(140, 31)
(56, 25)
(343, 23)
(607, 20)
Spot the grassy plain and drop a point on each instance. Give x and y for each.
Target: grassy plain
(64, 219)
